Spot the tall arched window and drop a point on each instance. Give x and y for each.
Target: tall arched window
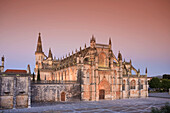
(141, 84)
(132, 84)
(123, 85)
(102, 60)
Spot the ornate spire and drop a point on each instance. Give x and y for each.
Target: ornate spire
(39, 44)
(130, 61)
(50, 54)
(85, 46)
(80, 48)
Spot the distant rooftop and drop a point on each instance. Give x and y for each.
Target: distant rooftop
(15, 71)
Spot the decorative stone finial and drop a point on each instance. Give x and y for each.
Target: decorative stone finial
(119, 56)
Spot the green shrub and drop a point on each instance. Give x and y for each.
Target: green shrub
(163, 109)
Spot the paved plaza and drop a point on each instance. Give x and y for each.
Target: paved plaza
(139, 105)
(160, 95)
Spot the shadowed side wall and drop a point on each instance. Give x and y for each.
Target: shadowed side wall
(49, 92)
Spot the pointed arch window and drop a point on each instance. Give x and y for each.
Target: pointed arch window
(123, 85)
(132, 84)
(102, 60)
(141, 84)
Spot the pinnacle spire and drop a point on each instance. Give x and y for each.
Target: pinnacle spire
(138, 70)
(39, 44)
(2, 59)
(92, 39)
(50, 54)
(146, 71)
(119, 56)
(110, 42)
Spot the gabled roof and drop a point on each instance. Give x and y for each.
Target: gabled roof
(15, 71)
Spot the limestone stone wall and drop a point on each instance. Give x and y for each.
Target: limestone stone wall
(52, 92)
(6, 102)
(14, 91)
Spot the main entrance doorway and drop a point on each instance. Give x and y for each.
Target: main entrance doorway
(101, 94)
(63, 96)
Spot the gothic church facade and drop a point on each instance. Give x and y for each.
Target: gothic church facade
(100, 73)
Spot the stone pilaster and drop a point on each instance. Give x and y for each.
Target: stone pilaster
(96, 79)
(29, 92)
(139, 83)
(14, 93)
(128, 83)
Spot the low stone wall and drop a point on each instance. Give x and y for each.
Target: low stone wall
(52, 92)
(14, 91)
(6, 102)
(22, 101)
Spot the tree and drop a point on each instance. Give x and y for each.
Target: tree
(154, 83)
(33, 76)
(166, 76)
(166, 84)
(38, 75)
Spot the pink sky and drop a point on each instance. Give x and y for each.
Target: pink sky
(140, 29)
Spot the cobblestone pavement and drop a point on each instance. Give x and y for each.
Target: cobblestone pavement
(139, 105)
